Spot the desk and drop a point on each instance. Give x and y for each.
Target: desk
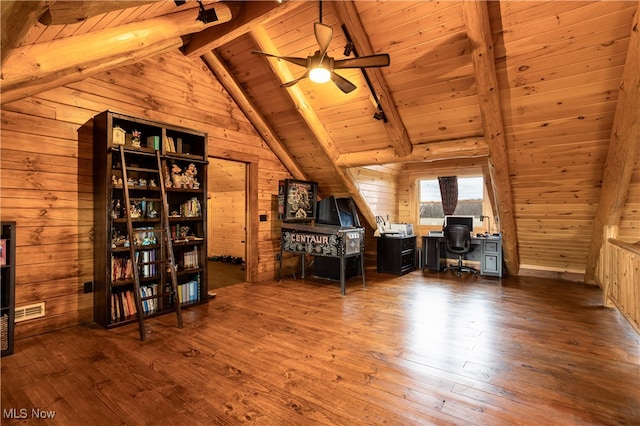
(486, 250)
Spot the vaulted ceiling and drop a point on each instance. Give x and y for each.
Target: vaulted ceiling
(528, 89)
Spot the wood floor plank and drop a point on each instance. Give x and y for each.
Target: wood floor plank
(424, 348)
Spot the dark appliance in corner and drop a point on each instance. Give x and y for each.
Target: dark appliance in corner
(342, 213)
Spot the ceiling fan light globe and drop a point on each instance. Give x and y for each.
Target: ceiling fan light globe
(319, 75)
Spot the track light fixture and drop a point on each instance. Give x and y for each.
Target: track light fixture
(380, 115)
(348, 48)
(206, 16)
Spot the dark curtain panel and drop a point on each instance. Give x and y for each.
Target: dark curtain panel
(448, 193)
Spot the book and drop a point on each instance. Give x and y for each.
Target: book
(130, 302)
(169, 144)
(153, 142)
(3, 252)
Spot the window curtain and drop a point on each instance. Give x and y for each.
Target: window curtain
(448, 193)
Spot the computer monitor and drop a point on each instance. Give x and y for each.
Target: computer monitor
(459, 220)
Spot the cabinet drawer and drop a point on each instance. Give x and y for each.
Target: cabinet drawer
(491, 247)
(490, 265)
(409, 259)
(409, 244)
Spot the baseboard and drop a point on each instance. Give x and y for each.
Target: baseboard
(573, 276)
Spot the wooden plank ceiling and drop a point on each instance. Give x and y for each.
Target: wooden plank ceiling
(529, 87)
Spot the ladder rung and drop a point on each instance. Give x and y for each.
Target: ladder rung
(151, 262)
(145, 199)
(149, 230)
(141, 169)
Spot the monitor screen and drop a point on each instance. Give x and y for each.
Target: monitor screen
(459, 220)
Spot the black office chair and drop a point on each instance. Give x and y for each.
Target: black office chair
(458, 240)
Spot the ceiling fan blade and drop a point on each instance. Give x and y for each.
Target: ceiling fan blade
(293, 82)
(323, 36)
(298, 61)
(381, 60)
(343, 84)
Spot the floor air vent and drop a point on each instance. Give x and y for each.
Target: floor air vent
(29, 312)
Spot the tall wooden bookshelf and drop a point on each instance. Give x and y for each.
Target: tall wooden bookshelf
(183, 154)
(8, 283)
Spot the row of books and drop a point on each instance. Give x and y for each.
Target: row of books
(189, 291)
(171, 145)
(123, 303)
(191, 208)
(149, 305)
(122, 267)
(145, 257)
(190, 259)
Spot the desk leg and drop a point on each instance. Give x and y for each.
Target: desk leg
(302, 264)
(280, 266)
(342, 285)
(424, 253)
(362, 269)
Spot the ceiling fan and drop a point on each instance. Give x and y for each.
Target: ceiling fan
(321, 67)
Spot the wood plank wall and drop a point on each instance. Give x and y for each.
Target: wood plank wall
(379, 186)
(227, 208)
(558, 92)
(46, 173)
(629, 227)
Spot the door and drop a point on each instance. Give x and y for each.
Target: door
(226, 227)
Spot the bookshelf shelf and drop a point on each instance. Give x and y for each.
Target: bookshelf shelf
(183, 172)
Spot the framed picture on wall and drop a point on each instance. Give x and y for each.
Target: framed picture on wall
(299, 199)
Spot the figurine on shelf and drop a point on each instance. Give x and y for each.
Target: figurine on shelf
(119, 240)
(115, 209)
(190, 176)
(184, 231)
(152, 183)
(135, 138)
(130, 181)
(134, 211)
(176, 176)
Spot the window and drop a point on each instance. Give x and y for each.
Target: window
(470, 199)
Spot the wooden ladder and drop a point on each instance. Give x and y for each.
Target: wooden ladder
(167, 262)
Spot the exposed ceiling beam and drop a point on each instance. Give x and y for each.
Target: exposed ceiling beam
(265, 44)
(433, 151)
(72, 12)
(35, 68)
(398, 135)
(232, 86)
(476, 18)
(18, 17)
(622, 155)
(250, 14)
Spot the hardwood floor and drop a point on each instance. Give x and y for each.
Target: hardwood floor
(412, 350)
(222, 274)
